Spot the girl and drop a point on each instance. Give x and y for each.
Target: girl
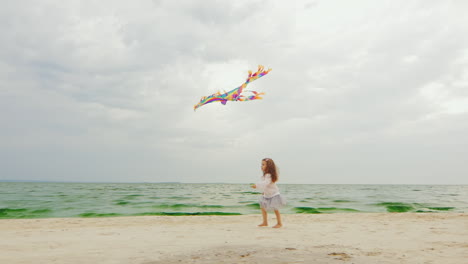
(271, 198)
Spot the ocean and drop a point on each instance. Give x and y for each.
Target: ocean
(50, 200)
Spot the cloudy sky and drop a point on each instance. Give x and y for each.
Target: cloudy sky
(361, 92)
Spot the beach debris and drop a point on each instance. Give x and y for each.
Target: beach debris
(341, 256)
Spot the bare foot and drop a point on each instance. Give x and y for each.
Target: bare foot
(263, 224)
(278, 226)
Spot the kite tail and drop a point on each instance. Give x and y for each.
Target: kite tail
(255, 96)
(254, 76)
(259, 73)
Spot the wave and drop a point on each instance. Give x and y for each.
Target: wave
(394, 207)
(397, 207)
(254, 205)
(13, 213)
(442, 208)
(177, 206)
(186, 213)
(342, 201)
(91, 214)
(319, 210)
(306, 210)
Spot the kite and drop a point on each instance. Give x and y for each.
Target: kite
(237, 93)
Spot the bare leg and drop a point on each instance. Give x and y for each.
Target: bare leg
(265, 219)
(278, 218)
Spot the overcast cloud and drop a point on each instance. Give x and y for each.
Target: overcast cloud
(360, 92)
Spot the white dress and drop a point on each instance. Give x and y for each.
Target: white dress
(271, 198)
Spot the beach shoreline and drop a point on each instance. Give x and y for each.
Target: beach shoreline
(305, 238)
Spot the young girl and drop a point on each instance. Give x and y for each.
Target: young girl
(271, 198)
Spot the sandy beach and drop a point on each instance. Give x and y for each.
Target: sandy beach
(305, 238)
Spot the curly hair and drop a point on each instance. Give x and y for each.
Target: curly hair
(271, 169)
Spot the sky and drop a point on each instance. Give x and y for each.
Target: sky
(360, 92)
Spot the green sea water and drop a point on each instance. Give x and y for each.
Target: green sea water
(48, 200)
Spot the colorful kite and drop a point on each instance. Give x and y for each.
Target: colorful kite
(237, 93)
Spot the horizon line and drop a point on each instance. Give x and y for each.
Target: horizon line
(177, 182)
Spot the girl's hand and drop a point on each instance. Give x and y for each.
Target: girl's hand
(253, 186)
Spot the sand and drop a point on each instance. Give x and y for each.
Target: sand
(304, 238)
